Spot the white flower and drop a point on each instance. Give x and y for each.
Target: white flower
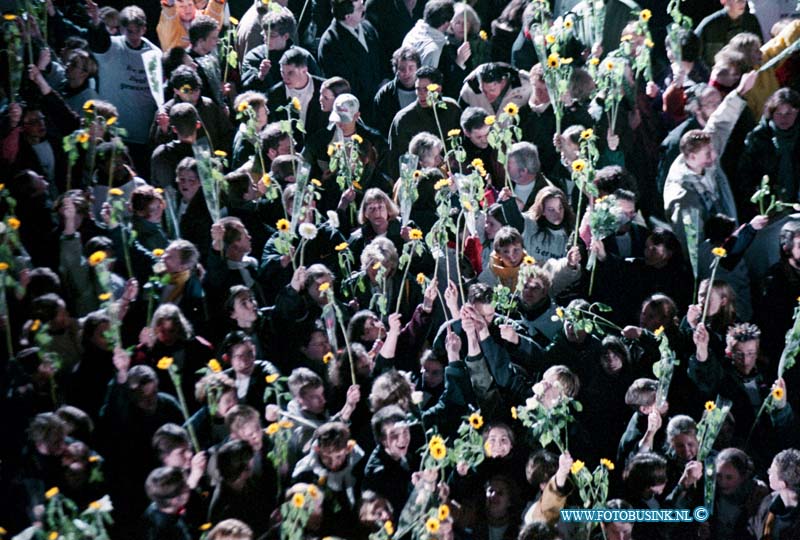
(333, 217)
(2, 227)
(538, 389)
(101, 505)
(159, 268)
(308, 231)
(532, 402)
(416, 397)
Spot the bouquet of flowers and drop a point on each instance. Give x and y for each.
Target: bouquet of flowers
(212, 180)
(665, 367)
(548, 424)
(603, 221)
(407, 192)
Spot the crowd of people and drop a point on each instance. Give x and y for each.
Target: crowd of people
(224, 307)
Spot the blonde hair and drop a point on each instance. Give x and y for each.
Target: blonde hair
(376, 195)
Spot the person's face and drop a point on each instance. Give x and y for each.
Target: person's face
(333, 459)
(709, 101)
(492, 225)
(284, 147)
(794, 250)
(326, 99)
(294, 77)
(250, 433)
(33, 124)
(313, 400)
(146, 396)
(498, 499)
(432, 158)
(703, 158)
(243, 358)
(167, 331)
(627, 210)
(134, 33)
(313, 289)
(421, 87)
(492, 90)
(611, 362)
(377, 214)
(539, 90)
(658, 489)
(373, 330)
(685, 446)
(728, 479)
(187, 95)
(76, 72)
(244, 310)
(262, 116)
(277, 42)
(499, 442)
(112, 25)
(405, 71)
(432, 374)
(172, 260)
(715, 300)
(99, 336)
(656, 255)
(554, 210)
(358, 12)
(318, 346)
(735, 8)
(727, 76)
(186, 10)
(784, 116)
(511, 255)
(618, 530)
(486, 311)
(457, 27)
(243, 244)
(188, 184)
(745, 354)
(376, 512)
(569, 151)
(396, 439)
(181, 500)
(208, 44)
(550, 391)
(180, 457)
(775, 482)
(189, 62)
(364, 365)
(533, 292)
(479, 136)
(225, 403)
(154, 211)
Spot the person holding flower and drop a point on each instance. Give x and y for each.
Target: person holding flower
(554, 493)
(739, 380)
(494, 86)
(465, 50)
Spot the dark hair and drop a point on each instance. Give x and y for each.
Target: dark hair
(438, 12)
(788, 96)
(473, 118)
(169, 437)
(164, 484)
(644, 471)
(617, 346)
(233, 458)
(294, 56)
(405, 53)
(337, 85)
(355, 328)
(172, 59)
(183, 117)
(493, 72)
(332, 435)
(237, 337)
(667, 238)
(789, 231)
(185, 76)
(693, 141)
(432, 74)
(538, 530)
(391, 414)
(613, 177)
(201, 27)
(479, 293)
(718, 228)
(341, 9)
(738, 459)
(541, 466)
(280, 22)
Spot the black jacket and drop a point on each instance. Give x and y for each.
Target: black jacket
(315, 118)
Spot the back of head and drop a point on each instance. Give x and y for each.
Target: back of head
(438, 12)
(164, 484)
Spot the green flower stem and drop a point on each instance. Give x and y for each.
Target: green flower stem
(176, 381)
(714, 267)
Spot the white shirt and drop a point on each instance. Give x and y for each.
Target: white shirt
(305, 95)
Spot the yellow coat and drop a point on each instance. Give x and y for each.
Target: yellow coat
(172, 33)
(767, 82)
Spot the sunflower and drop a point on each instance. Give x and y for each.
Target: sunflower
(341, 247)
(9, 17)
(487, 449)
(560, 312)
(357, 138)
(568, 24)
(529, 260)
(36, 325)
(659, 331)
(432, 525)
(53, 535)
(607, 463)
(439, 452)
(550, 39)
(377, 265)
(97, 257)
(566, 61)
(578, 165)
(272, 429)
(158, 252)
(421, 278)
(467, 206)
(327, 358)
(626, 37)
(88, 105)
(50, 493)
(454, 133)
(356, 185)
(577, 465)
(283, 225)
(324, 286)
(609, 65)
(415, 234)
(417, 174)
(220, 153)
(489, 120)
(719, 252)
(710, 406)
(111, 121)
(389, 528)
(436, 440)
(205, 526)
(645, 15)
(116, 192)
(511, 109)
(444, 512)
(243, 106)
(553, 61)
(514, 413)
(432, 87)
(475, 421)
(95, 505)
(298, 500)
(234, 21)
(443, 183)
(477, 163)
(330, 150)
(214, 365)
(777, 393)
(594, 61)
(165, 362)
(586, 134)
(649, 43)
(483, 35)
(105, 296)
(312, 490)
(3, 266)
(286, 424)
(296, 105)
(83, 137)
(272, 377)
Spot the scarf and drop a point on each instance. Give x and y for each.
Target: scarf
(243, 268)
(507, 275)
(177, 284)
